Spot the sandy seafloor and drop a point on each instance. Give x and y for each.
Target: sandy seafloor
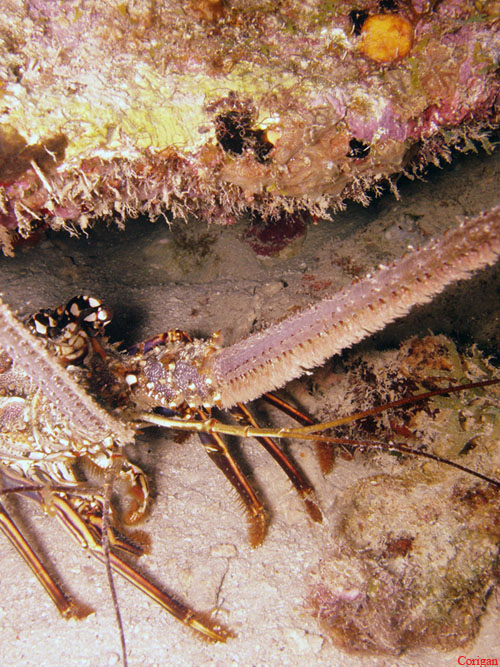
(202, 280)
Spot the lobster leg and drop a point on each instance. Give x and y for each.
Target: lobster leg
(324, 450)
(218, 452)
(82, 518)
(66, 607)
(90, 536)
(137, 484)
(300, 483)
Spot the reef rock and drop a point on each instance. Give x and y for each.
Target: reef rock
(215, 107)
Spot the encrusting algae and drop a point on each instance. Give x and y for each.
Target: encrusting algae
(414, 556)
(119, 109)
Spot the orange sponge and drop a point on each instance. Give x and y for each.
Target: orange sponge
(386, 37)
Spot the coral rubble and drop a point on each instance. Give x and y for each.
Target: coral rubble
(416, 553)
(126, 108)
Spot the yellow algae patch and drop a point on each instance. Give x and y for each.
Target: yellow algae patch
(141, 110)
(386, 37)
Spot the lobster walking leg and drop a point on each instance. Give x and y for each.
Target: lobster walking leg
(218, 452)
(90, 536)
(83, 518)
(300, 483)
(67, 608)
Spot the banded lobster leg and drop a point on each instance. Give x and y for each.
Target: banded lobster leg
(324, 450)
(218, 452)
(296, 476)
(67, 608)
(83, 518)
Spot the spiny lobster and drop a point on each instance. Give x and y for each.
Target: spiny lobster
(84, 406)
